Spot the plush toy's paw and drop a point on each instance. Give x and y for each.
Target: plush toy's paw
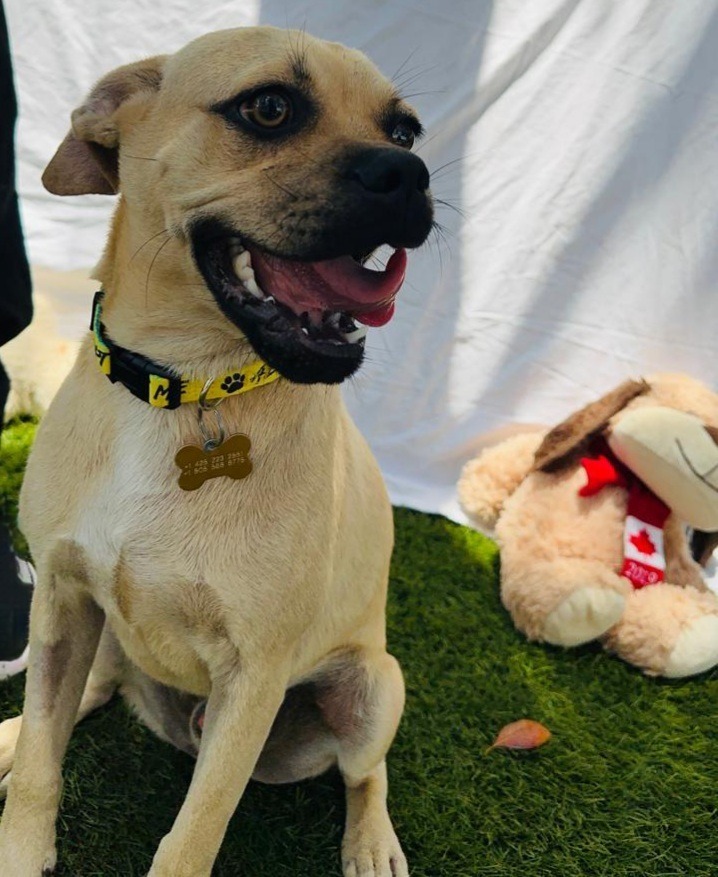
(696, 649)
(583, 616)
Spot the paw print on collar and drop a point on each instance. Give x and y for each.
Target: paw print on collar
(232, 383)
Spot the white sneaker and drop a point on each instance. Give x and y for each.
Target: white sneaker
(15, 606)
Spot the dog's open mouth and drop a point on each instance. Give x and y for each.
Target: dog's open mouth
(306, 319)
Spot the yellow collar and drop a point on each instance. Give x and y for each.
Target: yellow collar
(159, 386)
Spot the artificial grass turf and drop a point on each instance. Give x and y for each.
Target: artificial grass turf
(628, 785)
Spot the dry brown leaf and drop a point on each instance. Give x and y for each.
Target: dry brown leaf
(524, 734)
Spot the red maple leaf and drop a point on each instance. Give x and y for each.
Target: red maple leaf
(642, 542)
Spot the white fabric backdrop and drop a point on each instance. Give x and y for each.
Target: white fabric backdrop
(582, 136)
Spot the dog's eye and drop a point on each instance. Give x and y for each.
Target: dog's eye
(268, 109)
(403, 135)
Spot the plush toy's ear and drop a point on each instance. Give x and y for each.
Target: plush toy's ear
(86, 160)
(560, 443)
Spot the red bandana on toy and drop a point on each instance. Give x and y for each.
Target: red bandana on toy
(644, 560)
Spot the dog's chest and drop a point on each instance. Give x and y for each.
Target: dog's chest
(180, 574)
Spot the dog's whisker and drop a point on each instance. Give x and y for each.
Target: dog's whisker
(413, 94)
(441, 231)
(298, 55)
(442, 202)
(288, 191)
(448, 174)
(412, 74)
(444, 235)
(440, 256)
(404, 70)
(408, 58)
(467, 156)
(424, 143)
(437, 239)
(139, 157)
(446, 165)
(149, 241)
(149, 270)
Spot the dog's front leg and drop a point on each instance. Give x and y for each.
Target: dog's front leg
(239, 717)
(65, 627)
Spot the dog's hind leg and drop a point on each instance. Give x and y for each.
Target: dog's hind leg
(102, 683)
(241, 709)
(346, 714)
(164, 710)
(371, 847)
(362, 700)
(65, 628)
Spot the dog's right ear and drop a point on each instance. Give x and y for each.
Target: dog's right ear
(563, 440)
(86, 161)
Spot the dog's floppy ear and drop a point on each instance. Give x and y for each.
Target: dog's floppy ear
(567, 437)
(86, 160)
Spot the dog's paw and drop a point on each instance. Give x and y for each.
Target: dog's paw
(4, 783)
(378, 863)
(377, 856)
(9, 732)
(26, 860)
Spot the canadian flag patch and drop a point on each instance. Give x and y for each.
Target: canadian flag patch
(644, 556)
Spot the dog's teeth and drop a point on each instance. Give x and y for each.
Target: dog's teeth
(251, 286)
(356, 335)
(243, 270)
(305, 330)
(242, 260)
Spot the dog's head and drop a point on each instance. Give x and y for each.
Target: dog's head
(281, 162)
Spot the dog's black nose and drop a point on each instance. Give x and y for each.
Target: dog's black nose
(383, 197)
(390, 171)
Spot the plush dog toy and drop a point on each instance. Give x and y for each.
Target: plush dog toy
(593, 517)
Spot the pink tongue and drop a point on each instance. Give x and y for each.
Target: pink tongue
(333, 285)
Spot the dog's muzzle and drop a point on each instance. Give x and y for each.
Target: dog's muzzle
(306, 313)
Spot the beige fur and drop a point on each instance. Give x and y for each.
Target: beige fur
(241, 590)
(561, 553)
(37, 361)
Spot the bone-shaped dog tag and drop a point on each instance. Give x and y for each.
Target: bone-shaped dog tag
(230, 459)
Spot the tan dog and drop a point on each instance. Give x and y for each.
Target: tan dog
(239, 159)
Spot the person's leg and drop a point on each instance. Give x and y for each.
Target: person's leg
(16, 580)
(4, 391)
(16, 576)
(15, 288)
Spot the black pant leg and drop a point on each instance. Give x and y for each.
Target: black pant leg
(15, 287)
(4, 392)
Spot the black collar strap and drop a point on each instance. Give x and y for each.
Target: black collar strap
(159, 386)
